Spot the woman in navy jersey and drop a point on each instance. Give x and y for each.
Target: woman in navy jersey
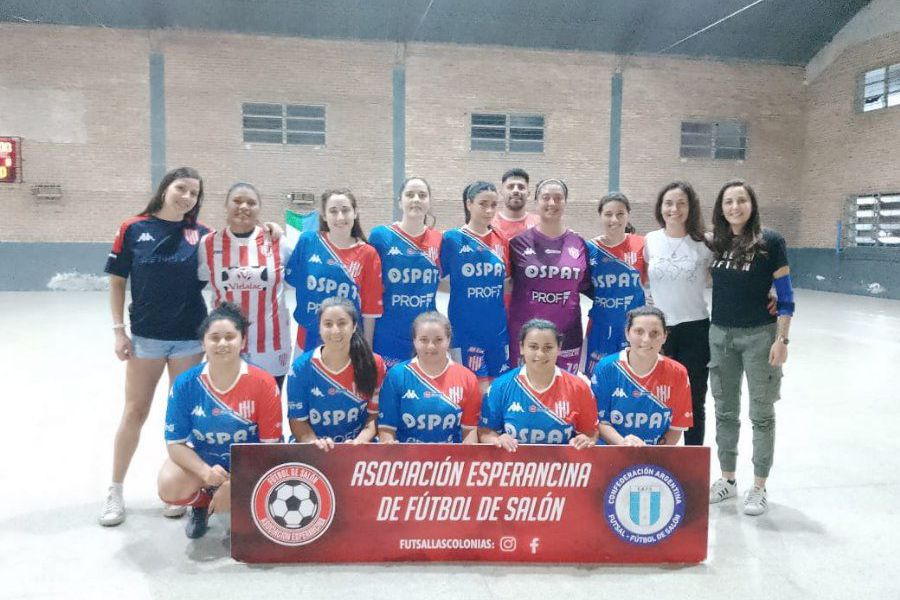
(744, 337)
(429, 399)
(212, 406)
(539, 403)
(475, 258)
(157, 250)
(410, 270)
(332, 391)
(244, 264)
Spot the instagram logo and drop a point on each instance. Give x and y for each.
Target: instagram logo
(507, 543)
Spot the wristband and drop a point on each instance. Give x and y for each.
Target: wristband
(119, 326)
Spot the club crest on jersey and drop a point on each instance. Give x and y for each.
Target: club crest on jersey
(455, 393)
(354, 269)
(498, 249)
(561, 409)
(293, 504)
(573, 252)
(630, 258)
(432, 254)
(192, 236)
(245, 408)
(663, 393)
(266, 248)
(644, 504)
(475, 362)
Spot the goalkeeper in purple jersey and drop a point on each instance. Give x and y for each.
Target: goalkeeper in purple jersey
(549, 271)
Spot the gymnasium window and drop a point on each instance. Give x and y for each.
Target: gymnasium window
(492, 132)
(283, 123)
(725, 140)
(879, 88)
(874, 220)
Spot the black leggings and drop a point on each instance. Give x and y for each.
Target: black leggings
(688, 343)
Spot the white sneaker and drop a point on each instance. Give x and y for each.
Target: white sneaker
(722, 490)
(173, 511)
(755, 503)
(113, 511)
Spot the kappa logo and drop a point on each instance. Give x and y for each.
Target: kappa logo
(410, 395)
(529, 251)
(394, 251)
(198, 411)
(146, 237)
(317, 392)
(516, 407)
(593, 262)
(619, 393)
(466, 248)
(315, 259)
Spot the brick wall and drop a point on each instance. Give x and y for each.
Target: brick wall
(80, 98)
(847, 152)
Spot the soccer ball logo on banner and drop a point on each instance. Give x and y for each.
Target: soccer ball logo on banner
(293, 504)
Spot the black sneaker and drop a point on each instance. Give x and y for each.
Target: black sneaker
(197, 524)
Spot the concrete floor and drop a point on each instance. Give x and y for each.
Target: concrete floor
(830, 531)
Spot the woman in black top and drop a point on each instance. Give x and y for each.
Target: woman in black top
(744, 337)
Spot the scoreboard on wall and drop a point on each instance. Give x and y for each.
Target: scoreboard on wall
(10, 159)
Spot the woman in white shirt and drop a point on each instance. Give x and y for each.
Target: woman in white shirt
(678, 260)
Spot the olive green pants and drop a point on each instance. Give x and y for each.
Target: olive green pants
(733, 352)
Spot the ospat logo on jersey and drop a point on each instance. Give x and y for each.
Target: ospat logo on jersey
(644, 504)
(293, 504)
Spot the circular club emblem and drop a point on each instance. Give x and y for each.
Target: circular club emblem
(644, 504)
(293, 504)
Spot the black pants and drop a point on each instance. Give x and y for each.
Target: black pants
(688, 343)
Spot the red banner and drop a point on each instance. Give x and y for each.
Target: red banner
(449, 502)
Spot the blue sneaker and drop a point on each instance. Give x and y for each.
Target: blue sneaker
(198, 523)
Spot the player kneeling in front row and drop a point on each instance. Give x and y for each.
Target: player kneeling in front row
(333, 389)
(429, 399)
(213, 405)
(642, 396)
(539, 403)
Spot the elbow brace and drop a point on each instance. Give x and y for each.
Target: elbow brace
(785, 294)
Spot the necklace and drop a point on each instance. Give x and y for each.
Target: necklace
(674, 250)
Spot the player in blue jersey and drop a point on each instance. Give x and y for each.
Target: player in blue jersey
(157, 251)
(539, 403)
(616, 260)
(642, 396)
(334, 261)
(211, 406)
(410, 271)
(476, 260)
(429, 399)
(332, 390)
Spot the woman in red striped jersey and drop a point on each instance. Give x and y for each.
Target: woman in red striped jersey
(244, 265)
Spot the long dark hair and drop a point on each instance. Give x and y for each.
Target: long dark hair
(357, 230)
(750, 240)
(156, 202)
(365, 373)
(471, 191)
(694, 225)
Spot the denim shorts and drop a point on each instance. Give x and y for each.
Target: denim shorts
(150, 348)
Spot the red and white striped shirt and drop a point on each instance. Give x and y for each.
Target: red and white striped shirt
(249, 271)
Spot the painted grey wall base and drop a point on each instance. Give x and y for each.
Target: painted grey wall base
(30, 266)
(859, 271)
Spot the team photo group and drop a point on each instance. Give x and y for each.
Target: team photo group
(510, 363)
